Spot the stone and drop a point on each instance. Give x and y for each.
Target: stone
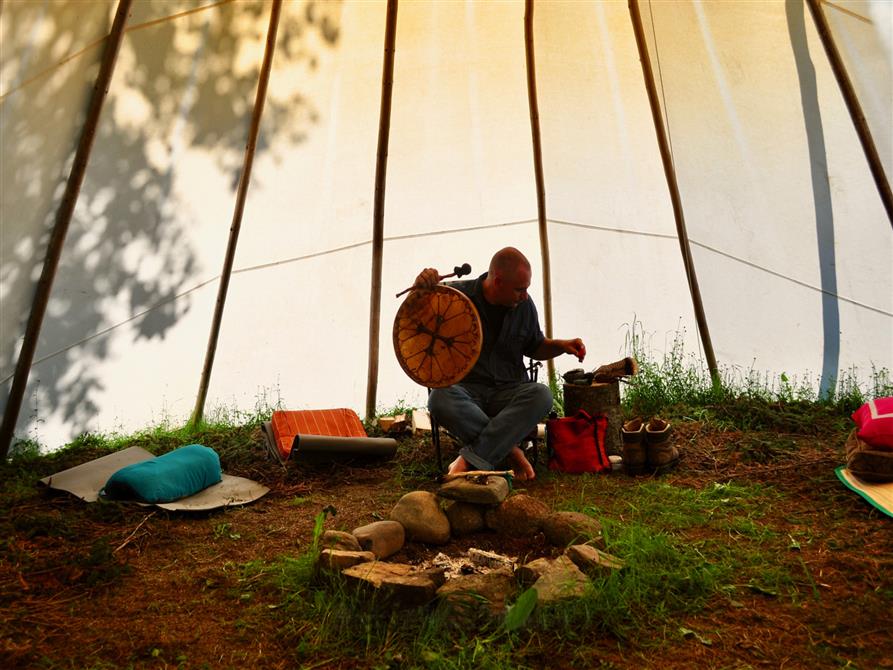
(467, 595)
(565, 528)
(464, 517)
(336, 560)
(409, 591)
(374, 572)
(436, 575)
(421, 516)
(528, 573)
(401, 584)
(382, 538)
(483, 490)
(591, 559)
(339, 539)
(562, 579)
(519, 515)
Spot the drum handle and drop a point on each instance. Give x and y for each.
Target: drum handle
(458, 271)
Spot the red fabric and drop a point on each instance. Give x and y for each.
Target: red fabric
(331, 422)
(577, 443)
(875, 422)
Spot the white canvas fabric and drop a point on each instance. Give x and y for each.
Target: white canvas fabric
(792, 247)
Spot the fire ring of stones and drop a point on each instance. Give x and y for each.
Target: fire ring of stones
(462, 506)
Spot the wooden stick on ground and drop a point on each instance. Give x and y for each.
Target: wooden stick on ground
(130, 537)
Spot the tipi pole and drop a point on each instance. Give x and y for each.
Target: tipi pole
(673, 186)
(235, 227)
(381, 167)
(60, 228)
(855, 109)
(538, 174)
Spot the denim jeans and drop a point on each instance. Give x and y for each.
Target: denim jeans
(490, 421)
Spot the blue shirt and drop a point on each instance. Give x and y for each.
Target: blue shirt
(501, 360)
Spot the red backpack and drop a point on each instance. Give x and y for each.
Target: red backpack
(577, 443)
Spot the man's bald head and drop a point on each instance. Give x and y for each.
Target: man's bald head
(508, 278)
(506, 262)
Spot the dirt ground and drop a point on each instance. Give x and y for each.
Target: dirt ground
(108, 586)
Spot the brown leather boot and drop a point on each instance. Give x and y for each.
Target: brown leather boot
(661, 452)
(632, 434)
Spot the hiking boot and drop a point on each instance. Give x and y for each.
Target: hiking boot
(662, 454)
(632, 434)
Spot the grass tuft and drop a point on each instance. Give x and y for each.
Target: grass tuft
(678, 384)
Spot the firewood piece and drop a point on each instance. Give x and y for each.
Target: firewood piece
(622, 368)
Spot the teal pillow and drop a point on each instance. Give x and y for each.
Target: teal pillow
(174, 475)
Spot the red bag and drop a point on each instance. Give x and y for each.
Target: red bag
(875, 421)
(577, 443)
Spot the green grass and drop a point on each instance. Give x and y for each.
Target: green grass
(672, 570)
(677, 384)
(684, 547)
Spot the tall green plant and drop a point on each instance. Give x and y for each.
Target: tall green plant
(557, 389)
(681, 379)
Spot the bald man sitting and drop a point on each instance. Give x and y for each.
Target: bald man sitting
(495, 405)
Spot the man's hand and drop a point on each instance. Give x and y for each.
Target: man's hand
(552, 348)
(427, 279)
(575, 347)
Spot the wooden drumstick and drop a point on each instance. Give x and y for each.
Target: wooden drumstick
(457, 272)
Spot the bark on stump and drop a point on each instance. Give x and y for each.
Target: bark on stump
(600, 398)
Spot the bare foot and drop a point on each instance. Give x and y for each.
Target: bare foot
(523, 469)
(457, 466)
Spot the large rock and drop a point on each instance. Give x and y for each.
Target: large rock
(482, 490)
(339, 539)
(375, 572)
(402, 584)
(336, 560)
(383, 538)
(591, 559)
(414, 589)
(518, 515)
(464, 517)
(528, 573)
(562, 579)
(420, 514)
(468, 595)
(565, 528)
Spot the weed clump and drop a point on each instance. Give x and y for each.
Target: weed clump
(678, 384)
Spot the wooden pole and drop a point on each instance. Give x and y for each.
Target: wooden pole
(538, 173)
(60, 228)
(855, 109)
(381, 167)
(672, 184)
(241, 194)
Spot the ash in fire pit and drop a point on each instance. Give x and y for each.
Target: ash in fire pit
(475, 561)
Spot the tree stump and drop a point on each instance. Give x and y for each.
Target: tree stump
(598, 399)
